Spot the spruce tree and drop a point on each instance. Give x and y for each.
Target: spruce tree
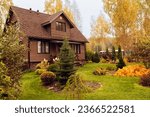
(113, 54)
(121, 62)
(67, 58)
(119, 52)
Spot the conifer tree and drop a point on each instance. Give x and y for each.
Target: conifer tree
(96, 58)
(121, 62)
(67, 58)
(113, 54)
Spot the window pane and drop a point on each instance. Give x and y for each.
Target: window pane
(39, 46)
(60, 26)
(43, 47)
(47, 47)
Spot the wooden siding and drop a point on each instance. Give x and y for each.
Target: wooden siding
(34, 56)
(60, 34)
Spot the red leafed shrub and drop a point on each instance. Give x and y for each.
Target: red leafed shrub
(145, 80)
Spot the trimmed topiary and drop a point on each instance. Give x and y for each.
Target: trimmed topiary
(48, 78)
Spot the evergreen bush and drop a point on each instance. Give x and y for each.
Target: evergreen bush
(121, 62)
(53, 67)
(89, 55)
(75, 88)
(96, 58)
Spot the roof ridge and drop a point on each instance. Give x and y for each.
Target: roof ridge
(30, 10)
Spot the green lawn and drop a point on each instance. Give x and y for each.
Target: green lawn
(112, 87)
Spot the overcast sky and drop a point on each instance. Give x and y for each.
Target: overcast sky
(87, 8)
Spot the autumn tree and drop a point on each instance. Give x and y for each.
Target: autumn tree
(123, 15)
(12, 55)
(4, 8)
(53, 6)
(100, 30)
(77, 15)
(70, 9)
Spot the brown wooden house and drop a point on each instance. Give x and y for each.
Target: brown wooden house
(45, 34)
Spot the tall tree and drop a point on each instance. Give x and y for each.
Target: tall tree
(68, 10)
(77, 15)
(99, 32)
(124, 15)
(12, 55)
(67, 58)
(100, 28)
(53, 6)
(4, 8)
(113, 54)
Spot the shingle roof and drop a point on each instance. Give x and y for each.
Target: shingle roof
(31, 23)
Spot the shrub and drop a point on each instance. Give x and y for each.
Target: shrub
(147, 64)
(40, 71)
(53, 67)
(89, 55)
(110, 68)
(99, 71)
(96, 58)
(75, 88)
(120, 64)
(43, 65)
(132, 70)
(103, 60)
(48, 78)
(145, 80)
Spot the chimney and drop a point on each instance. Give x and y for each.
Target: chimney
(30, 10)
(37, 10)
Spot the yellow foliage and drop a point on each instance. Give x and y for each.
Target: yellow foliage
(132, 70)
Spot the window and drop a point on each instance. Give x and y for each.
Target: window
(60, 26)
(76, 48)
(43, 47)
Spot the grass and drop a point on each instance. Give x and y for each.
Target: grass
(113, 88)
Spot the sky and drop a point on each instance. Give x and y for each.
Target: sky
(89, 9)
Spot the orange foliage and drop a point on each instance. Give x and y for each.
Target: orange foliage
(132, 70)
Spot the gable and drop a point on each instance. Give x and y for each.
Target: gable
(57, 16)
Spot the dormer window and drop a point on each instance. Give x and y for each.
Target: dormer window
(61, 26)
